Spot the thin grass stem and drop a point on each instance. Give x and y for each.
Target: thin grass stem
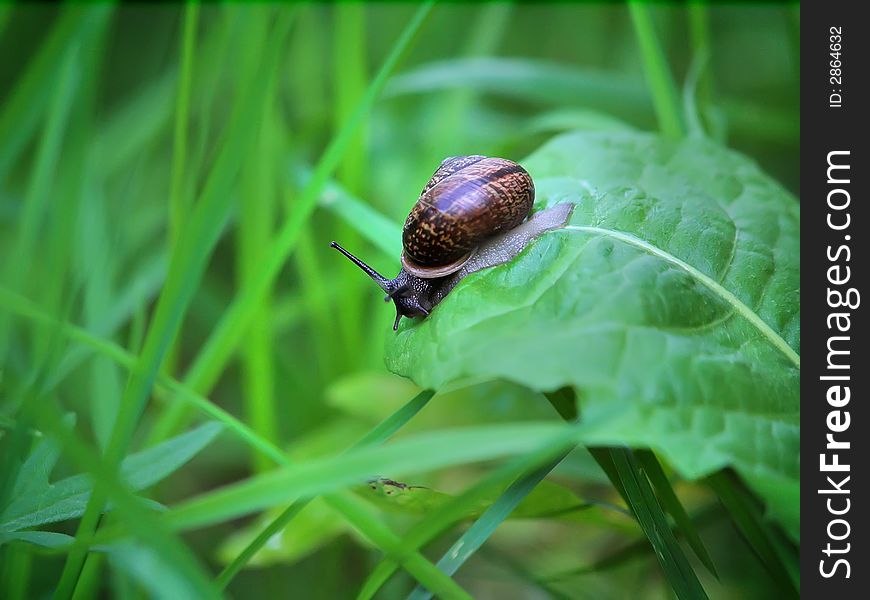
(658, 75)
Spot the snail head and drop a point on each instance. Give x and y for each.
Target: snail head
(406, 291)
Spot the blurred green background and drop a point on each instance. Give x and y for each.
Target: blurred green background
(118, 124)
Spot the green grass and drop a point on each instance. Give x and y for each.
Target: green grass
(380, 434)
(659, 79)
(166, 204)
(228, 332)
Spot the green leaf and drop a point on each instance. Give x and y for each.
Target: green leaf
(36, 502)
(146, 468)
(48, 539)
(670, 303)
(34, 473)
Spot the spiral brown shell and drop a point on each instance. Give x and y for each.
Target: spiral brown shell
(467, 200)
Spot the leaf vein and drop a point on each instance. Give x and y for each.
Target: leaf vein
(727, 268)
(714, 286)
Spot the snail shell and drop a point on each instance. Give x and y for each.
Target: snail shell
(468, 200)
(470, 216)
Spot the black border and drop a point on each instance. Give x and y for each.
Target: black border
(825, 129)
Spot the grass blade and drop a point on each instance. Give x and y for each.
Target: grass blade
(177, 202)
(137, 124)
(640, 497)
(143, 523)
(748, 520)
(416, 563)
(349, 75)
(370, 526)
(381, 433)
(387, 428)
(666, 495)
(16, 568)
(416, 454)
(374, 227)
(486, 525)
(17, 305)
(637, 549)
(23, 108)
(226, 335)
(418, 566)
(178, 199)
(661, 84)
(254, 230)
(396, 421)
(185, 271)
(65, 498)
(536, 81)
(566, 86)
(38, 198)
(275, 527)
(450, 513)
(127, 304)
(153, 571)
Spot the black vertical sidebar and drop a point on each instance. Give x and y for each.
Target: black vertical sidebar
(835, 420)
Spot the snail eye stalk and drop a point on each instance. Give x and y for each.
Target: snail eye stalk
(382, 281)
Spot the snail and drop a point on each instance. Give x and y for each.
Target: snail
(471, 215)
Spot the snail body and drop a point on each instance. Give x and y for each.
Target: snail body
(471, 215)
